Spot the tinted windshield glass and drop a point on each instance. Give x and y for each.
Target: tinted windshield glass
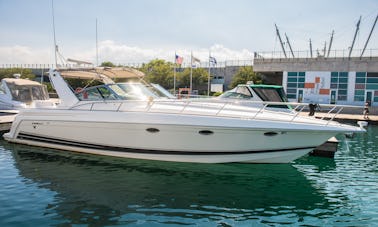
(270, 94)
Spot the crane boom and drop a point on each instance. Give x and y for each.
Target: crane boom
(354, 38)
(371, 31)
(291, 50)
(279, 37)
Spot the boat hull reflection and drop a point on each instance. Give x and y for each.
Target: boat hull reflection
(150, 190)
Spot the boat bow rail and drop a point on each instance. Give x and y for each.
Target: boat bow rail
(249, 110)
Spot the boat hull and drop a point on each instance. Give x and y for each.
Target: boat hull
(180, 138)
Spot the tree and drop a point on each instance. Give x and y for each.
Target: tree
(107, 64)
(25, 73)
(160, 72)
(244, 75)
(199, 78)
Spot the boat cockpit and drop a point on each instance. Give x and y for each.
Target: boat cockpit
(119, 91)
(134, 89)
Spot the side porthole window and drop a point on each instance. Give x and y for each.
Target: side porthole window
(152, 130)
(206, 132)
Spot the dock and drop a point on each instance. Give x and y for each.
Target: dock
(372, 119)
(349, 116)
(327, 149)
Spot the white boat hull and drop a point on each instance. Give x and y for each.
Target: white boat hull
(285, 156)
(181, 138)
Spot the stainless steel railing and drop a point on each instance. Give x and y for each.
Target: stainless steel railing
(213, 107)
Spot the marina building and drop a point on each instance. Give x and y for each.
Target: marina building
(337, 80)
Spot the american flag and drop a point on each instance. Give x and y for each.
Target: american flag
(179, 59)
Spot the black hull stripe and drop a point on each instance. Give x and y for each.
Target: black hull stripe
(36, 138)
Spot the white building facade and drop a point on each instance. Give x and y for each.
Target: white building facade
(348, 88)
(325, 81)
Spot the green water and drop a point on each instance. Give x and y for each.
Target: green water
(45, 187)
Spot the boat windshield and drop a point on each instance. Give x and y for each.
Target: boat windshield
(28, 93)
(101, 92)
(241, 92)
(270, 94)
(162, 92)
(139, 91)
(121, 91)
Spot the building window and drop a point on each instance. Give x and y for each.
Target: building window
(360, 85)
(339, 82)
(366, 81)
(294, 81)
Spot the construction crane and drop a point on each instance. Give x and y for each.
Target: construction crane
(371, 31)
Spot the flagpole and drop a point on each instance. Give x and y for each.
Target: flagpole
(174, 75)
(191, 73)
(208, 79)
(96, 45)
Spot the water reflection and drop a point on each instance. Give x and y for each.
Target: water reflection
(350, 185)
(111, 191)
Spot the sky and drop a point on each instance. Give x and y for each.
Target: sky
(137, 31)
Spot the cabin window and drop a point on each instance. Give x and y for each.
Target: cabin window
(38, 93)
(28, 93)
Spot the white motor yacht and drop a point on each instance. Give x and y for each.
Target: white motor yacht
(106, 120)
(17, 93)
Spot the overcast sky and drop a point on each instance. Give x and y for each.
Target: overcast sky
(140, 30)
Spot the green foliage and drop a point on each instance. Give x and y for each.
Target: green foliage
(25, 73)
(49, 87)
(160, 72)
(199, 77)
(107, 64)
(244, 75)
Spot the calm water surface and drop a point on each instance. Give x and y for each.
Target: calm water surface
(45, 187)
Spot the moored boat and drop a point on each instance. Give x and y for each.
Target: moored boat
(111, 123)
(17, 93)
